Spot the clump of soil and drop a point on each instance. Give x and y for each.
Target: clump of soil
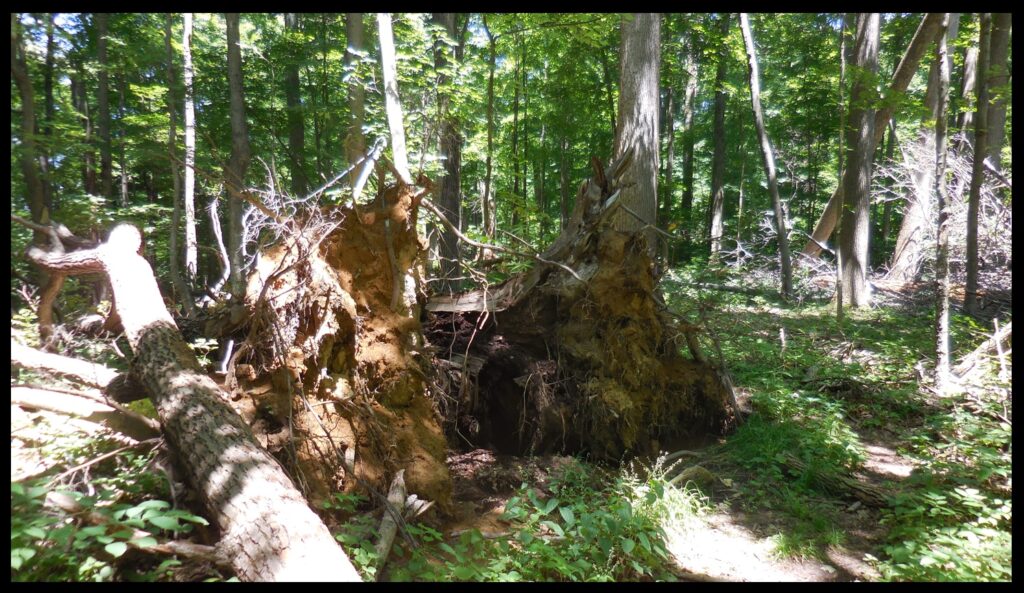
(332, 364)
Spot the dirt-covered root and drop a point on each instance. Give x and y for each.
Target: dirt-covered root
(571, 366)
(330, 371)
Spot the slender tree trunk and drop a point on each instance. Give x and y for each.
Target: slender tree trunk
(718, 157)
(692, 71)
(44, 154)
(942, 233)
(189, 197)
(392, 103)
(856, 223)
(103, 96)
(887, 209)
(908, 255)
(968, 82)
(639, 66)
(123, 160)
(606, 73)
(184, 295)
(80, 99)
(234, 172)
(296, 125)
(355, 143)
(486, 200)
(999, 76)
(926, 33)
(563, 176)
(670, 156)
(34, 195)
(515, 139)
(768, 159)
(977, 177)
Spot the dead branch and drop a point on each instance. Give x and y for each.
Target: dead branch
(388, 525)
(93, 411)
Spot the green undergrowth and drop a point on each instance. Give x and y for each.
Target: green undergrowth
(589, 524)
(821, 392)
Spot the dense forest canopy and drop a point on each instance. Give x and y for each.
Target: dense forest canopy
(539, 226)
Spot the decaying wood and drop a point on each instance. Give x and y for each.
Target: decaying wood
(992, 345)
(135, 426)
(268, 531)
(192, 551)
(868, 494)
(388, 524)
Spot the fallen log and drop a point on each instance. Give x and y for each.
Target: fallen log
(267, 529)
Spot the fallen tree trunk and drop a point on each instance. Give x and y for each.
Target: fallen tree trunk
(266, 527)
(578, 353)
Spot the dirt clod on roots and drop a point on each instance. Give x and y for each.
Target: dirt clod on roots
(333, 350)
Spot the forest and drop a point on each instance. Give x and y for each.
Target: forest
(699, 297)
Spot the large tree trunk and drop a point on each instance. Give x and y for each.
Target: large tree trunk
(965, 121)
(189, 198)
(184, 294)
(234, 171)
(103, 97)
(860, 142)
(44, 156)
(639, 65)
(977, 175)
(449, 197)
(355, 143)
(908, 255)
(35, 196)
(266, 527)
(926, 33)
(588, 360)
(782, 234)
(999, 76)
(718, 158)
(689, 135)
(486, 202)
(296, 125)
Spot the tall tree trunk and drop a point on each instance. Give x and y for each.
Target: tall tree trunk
(103, 96)
(942, 232)
(80, 99)
(977, 176)
(449, 197)
(860, 141)
(606, 73)
(670, 145)
(184, 295)
(908, 255)
(355, 143)
(639, 66)
(563, 178)
(968, 82)
(122, 135)
(486, 201)
(189, 197)
(234, 172)
(999, 90)
(44, 154)
(34, 195)
(718, 158)
(515, 140)
(692, 71)
(887, 209)
(267, 529)
(525, 160)
(296, 125)
(926, 33)
(768, 159)
(392, 104)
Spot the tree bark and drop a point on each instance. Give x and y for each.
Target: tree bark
(122, 157)
(184, 295)
(35, 198)
(486, 201)
(449, 197)
(968, 82)
(977, 176)
(926, 33)
(44, 156)
(639, 67)
(782, 234)
(189, 198)
(103, 96)
(692, 71)
(392, 103)
(999, 76)
(670, 148)
(908, 255)
(860, 140)
(234, 171)
(355, 144)
(942, 231)
(296, 125)
(267, 529)
(718, 158)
